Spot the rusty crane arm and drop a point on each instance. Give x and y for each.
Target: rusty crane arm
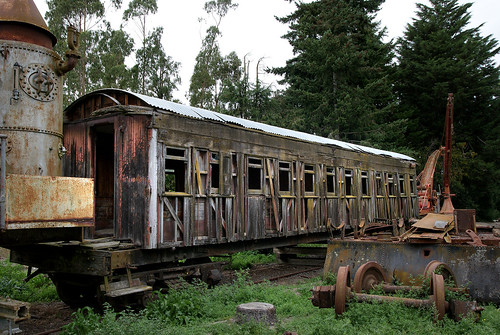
(427, 198)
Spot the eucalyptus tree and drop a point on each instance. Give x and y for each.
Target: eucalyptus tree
(212, 70)
(138, 12)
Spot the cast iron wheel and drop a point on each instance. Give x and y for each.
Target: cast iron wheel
(342, 288)
(369, 275)
(76, 290)
(443, 270)
(437, 284)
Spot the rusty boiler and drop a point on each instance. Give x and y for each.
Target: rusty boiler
(31, 79)
(34, 194)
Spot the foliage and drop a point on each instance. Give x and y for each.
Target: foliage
(244, 260)
(215, 307)
(158, 73)
(106, 61)
(212, 71)
(38, 289)
(178, 306)
(338, 78)
(439, 54)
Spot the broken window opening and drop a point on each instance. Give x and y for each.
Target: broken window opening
(254, 174)
(330, 180)
(402, 185)
(175, 176)
(390, 184)
(284, 177)
(176, 152)
(348, 182)
(309, 178)
(214, 172)
(365, 190)
(379, 184)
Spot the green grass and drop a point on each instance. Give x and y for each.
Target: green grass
(38, 289)
(245, 259)
(195, 309)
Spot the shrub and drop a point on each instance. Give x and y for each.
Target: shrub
(12, 285)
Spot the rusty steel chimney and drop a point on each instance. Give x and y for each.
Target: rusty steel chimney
(31, 89)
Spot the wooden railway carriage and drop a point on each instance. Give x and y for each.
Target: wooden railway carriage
(176, 182)
(168, 175)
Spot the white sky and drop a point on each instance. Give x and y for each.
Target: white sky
(252, 30)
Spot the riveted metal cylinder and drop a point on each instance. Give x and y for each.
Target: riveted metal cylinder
(31, 112)
(30, 91)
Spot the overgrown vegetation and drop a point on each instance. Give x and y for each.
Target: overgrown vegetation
(195, 309)
(245, 259)
(38, 289)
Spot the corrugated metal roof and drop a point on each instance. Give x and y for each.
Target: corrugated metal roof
(204, 114)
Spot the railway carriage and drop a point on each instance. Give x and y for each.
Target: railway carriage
(169, 175)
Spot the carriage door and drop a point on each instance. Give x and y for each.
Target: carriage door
(104, 167)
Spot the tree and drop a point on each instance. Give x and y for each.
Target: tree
(106, 61)
(84, 15)
(212, 70)
(161, 75)
(338, 77)
(440, 54)
(138, 10)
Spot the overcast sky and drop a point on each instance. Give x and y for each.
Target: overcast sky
(252, 30)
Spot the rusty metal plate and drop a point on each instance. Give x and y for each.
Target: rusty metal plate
(434, 221)
(48, 202)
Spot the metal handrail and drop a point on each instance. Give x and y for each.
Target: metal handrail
(3, 139)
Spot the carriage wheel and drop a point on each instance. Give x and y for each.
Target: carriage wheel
(444, 270)
(369, 275)
(438, 295)
(341, 288)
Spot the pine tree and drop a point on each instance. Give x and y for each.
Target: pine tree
(338, 76)
(441, 54)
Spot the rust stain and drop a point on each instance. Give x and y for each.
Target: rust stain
(38, 201)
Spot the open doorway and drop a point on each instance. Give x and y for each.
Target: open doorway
(104, 179)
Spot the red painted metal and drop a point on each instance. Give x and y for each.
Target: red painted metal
(447, 205)
(427, 197)
(21, 21)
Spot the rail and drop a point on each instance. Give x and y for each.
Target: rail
(3, 139)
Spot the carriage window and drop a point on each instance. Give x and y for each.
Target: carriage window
(412, 185)
(284, 177)
(379, 184)
(309, 178)
(175, 174)
(330, 180)
(175, 170)
(254, 173)
(176, 152)
(390, 184)
(348, 182)
(214, 171)
(365, 190)
(402, 184)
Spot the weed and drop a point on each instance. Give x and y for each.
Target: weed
(12, 285)
(179, 306)
(330, 279)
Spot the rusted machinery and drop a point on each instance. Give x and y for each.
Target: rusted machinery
(427, 197)
(38, 204)
(371, 274)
